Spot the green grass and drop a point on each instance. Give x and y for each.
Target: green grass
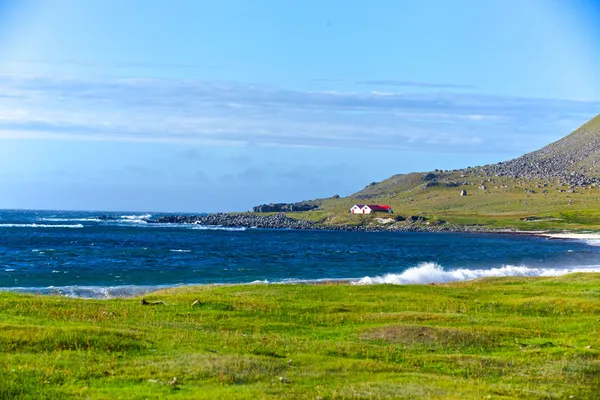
(492, 338)
(505, 203)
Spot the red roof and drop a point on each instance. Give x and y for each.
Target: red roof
(376, 207)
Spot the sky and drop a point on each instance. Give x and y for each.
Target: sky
(202, 106)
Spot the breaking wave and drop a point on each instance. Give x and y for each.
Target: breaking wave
(424, 273)
(39, 226)
(433, 273)
(136, 217)
(218, 228)
(70, 219)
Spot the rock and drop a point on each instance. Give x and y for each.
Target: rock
(428, 177)
(463, 192)
(244, 220)
(284, 207)
(482, 187)
(152, 303)
(335, 196)
(564, 160)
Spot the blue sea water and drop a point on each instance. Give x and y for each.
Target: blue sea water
(77, 254)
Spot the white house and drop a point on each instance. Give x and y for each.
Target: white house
(357, 209)
(370, 208)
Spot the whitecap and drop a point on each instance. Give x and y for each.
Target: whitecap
(218, 228)
(39, 226)
(180, 251)
(136, 217)
(430, 272)
(70, 219)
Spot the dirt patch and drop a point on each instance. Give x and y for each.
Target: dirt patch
(427, 335)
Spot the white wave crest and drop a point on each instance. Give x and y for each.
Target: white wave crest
(136, 217)
(218, 228)
(39, 226)
(180, 251)
(133, 221)
(433, 273)
(70, 219)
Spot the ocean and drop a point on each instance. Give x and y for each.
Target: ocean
(76, 254)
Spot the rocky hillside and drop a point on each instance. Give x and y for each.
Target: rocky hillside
(574, 159)
(571, 161)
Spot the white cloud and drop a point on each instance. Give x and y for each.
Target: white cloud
(235, 113)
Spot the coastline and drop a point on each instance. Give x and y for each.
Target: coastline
(285, 222)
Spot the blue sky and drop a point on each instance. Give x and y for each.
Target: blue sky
(193, 105)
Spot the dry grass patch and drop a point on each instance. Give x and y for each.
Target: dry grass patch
(412, 316)
(427, 335)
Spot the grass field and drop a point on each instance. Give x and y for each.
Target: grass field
(504, 203)
(493, 338)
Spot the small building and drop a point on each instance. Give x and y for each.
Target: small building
(357, 209)
(370, 208)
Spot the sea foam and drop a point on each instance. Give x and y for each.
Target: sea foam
(70, 219)
(39, 226)
(218, 228)
(430, 272)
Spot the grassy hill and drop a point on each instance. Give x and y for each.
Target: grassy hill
(554, 188)
(501, 338)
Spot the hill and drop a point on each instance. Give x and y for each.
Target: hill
(553, 188)
(574, 159)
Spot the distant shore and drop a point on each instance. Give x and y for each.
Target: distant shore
(283, 221)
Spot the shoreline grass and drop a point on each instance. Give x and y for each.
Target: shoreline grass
(511, 337)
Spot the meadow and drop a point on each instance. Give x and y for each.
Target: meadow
(535, 338)
(494, 203)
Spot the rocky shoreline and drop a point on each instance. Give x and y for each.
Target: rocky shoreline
(282, 221)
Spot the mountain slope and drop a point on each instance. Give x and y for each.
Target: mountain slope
(556, 187)
(574, 159)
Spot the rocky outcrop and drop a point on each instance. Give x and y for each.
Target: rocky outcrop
(574, 159)
(284, 207)
(246, 220)
(281, 221)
